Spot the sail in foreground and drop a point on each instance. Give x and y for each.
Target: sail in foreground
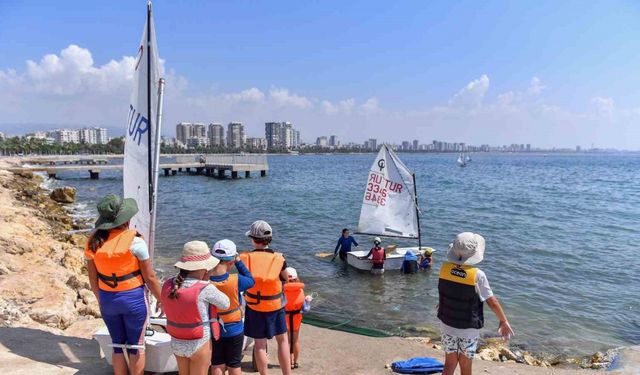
(389, 204)
(140, 148)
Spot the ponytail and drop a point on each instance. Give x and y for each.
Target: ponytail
(97, 239)
(177, 283)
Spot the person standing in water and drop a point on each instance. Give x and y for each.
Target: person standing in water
(265, 316)
(462, 289)
(378, 257)
(344, 244)
(190, 302)
(227, 351)
(119, 267)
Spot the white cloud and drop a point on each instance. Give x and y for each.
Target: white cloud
(472, 94)
(282, 97)
(604, 105)
(536, 86)
(370, 106)
(343, 106)
(250, 95)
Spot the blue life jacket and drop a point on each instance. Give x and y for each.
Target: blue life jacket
(418, 365)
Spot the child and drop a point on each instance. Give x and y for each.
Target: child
(426, 261)
(462, 289)
(378, 256)
(190, 304)
(410, 263)
(265, 317)
(227, 351)
(297, 304)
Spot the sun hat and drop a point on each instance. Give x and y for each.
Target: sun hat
(293, 274)
(260, 229)
(115, 211)
(377, 240)
(224, 250)
(466, 249)
(195, 256)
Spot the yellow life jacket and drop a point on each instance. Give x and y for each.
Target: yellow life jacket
(265, 267)
(118, 269)
(230, 287)
(459, 304)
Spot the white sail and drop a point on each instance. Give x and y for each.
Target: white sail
(142, 127)
(389, 205)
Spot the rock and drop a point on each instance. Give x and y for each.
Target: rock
(489, 354)
(436, 346)
(508, 354)
(64, 194)
(529, 360)
(84, 328)
(76, 282)
(16, 245)
(25, 174)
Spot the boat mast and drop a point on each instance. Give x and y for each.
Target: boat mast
(415, 194)
(149, 140)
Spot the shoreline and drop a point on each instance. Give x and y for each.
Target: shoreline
(58, 300)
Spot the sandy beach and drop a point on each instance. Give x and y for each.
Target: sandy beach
(48, 314)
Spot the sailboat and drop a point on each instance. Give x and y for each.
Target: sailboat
(140, 181)
(389, 209)
(462, 161)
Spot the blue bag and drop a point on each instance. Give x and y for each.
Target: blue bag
(418, 365)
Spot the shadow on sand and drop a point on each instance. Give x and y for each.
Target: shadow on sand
(45, 347)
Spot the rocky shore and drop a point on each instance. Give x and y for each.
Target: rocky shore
(43, 280)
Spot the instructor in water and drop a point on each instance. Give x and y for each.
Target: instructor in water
(344, 244)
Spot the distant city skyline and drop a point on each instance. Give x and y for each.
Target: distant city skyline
(551, 74)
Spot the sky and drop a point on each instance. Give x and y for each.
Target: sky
(548, 73)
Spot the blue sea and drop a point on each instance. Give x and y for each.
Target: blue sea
(562, 232)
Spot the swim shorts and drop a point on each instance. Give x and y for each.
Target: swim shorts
(462, 345)
(228, 351)
(125, 314)
(264, 325)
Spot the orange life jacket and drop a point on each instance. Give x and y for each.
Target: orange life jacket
(118, 269)
(378, 255)
(295, 300)
(266, 294)
(183, 317)
(230, 287)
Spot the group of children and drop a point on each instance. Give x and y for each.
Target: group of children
(203, 302)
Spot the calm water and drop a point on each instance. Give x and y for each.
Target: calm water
(562, 237)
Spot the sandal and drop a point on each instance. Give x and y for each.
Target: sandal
(296, 365)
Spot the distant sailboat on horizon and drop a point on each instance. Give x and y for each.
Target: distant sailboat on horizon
(462, 160)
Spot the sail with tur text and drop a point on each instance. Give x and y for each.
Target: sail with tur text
(143, 129)
(389, 202)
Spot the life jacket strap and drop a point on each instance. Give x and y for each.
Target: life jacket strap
(293, 312)
(112, 281)
(237, 308)
(259, 297)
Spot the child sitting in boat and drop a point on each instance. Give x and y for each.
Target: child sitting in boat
(462, 289)
(297, 304)
(190, 303)
(378, 257)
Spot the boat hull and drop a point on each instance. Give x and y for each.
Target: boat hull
(356, 259)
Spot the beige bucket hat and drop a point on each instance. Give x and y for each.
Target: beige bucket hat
(196, 256)
(466, 249)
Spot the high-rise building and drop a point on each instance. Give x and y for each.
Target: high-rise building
(415, 145)
(65, 136)
(198, 130)
(405, 146)
(296, 139)
(286, 136)
(184, 131)
(272, 134)
(333, 141)
(87, 136)
(235, 135)
(216, 135)
(322, 141)
(101, 136)
(372, 144)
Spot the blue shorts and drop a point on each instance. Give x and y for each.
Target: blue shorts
(125, 314)
(264, 325)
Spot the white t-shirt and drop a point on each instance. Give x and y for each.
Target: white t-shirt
(139, 248)
(484, 292)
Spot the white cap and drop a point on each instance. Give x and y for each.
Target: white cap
(377, 240)
(293, 274)
(224, 250)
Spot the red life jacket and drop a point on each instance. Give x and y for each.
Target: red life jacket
(378, 255)
(183, 318)
(295, 300)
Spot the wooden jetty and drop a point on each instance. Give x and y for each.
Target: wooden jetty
(209, 165)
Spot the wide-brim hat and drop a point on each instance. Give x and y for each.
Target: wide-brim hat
(115, 211)
(466, 249)
(196, 256)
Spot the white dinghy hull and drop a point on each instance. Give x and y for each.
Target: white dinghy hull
(356, 259)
